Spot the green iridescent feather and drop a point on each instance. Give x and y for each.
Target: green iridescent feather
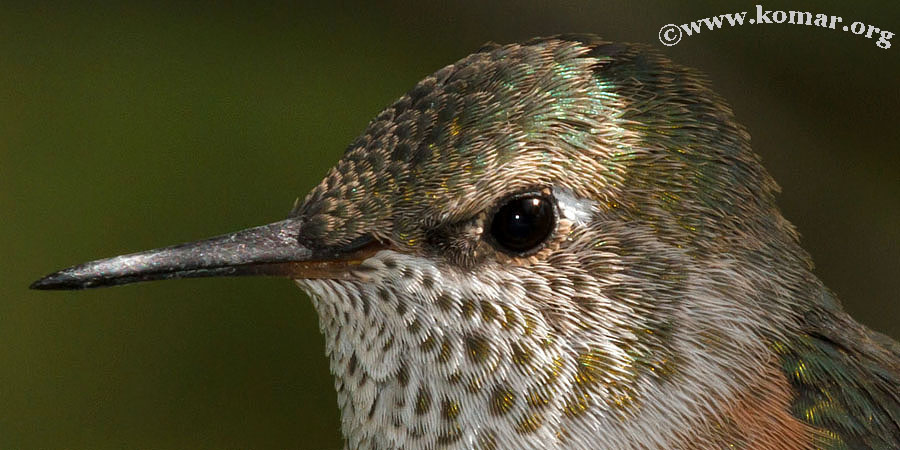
(846, 381)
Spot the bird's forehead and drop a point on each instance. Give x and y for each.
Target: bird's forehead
(505, 120)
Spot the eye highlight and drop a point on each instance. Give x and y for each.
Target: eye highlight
(522, 224)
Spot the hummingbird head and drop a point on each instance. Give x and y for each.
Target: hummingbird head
(540, 243)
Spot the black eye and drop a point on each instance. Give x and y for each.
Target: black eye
(523, 223)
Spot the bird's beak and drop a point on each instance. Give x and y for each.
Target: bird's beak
(272, 250)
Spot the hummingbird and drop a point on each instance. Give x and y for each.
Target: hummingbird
(560, 243)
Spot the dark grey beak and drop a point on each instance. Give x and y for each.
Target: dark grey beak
(272, 250)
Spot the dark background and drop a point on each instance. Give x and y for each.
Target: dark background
(125, 127)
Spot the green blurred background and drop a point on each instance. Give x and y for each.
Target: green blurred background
(126, 126)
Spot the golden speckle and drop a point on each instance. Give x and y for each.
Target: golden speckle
(454, 126)
(577, 404)
(477, 348)
(529, 325)
(510, 317)
(450, 409)
(446, 348)
(488, 311)
(521, 355)
(529, 423)
(502, 400)
(554, 369)
(423, 401)
(538, 397)
(468, 308)
(487, 440)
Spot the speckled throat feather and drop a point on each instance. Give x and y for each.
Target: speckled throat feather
(674, 308)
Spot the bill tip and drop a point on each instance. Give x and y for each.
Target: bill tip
(56, 281)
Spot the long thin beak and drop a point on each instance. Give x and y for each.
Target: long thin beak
(272, 250)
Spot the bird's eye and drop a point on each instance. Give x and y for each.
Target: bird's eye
(523, 223)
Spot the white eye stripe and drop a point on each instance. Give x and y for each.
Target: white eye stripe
(577, 210)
